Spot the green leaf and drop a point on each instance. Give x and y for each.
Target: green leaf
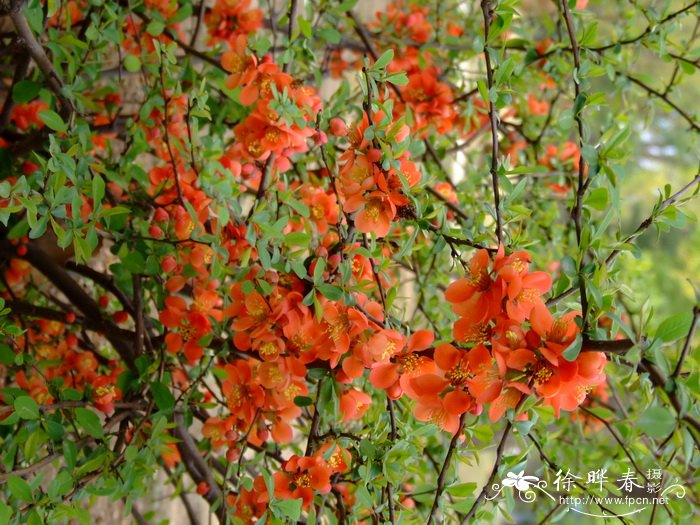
(132, 63)
(60, 485)
(98, 189)
(53, 120)
(398, 79)
(657, 422)
(297, 239)
(155, 27)
(305, 27)
(25, 91)
(597, 199)
(7, 356)
(462, 490)
(384, 60)
(675, 327)
(574, 349)
(298, 206)
(331, 35)
(287, 508)
(134, 262)
(19, 488)
(5, 513)
(90, 422)
(162, 395)
(334, 293)
(26, 408)
(303, 401)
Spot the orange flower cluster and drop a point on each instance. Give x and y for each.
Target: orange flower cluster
(56, 350)
(26, 115)
(283, 115)
(229, 18)
(367, 188)
(299, 478)
(405, 20)
(429, 101)
(513, 347)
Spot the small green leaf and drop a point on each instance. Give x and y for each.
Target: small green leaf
(162, 395)
(384, 60)
(98, 189)
(7, 356)
(287, 508)
(574, 349)
(19, 488)
(598, 199)
(398, 79)
(53, 120)
(25, 91)
(26, 408)
(132, 63)
(90, 422)
(657, 422)
(155, 27)
(462, 490)
(303, 401)
(5, 513)
(674, 327)
(334, 293)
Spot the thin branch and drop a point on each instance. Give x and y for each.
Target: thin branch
(19, 20)
(487, 7)
(683, 113)
(445, 467)
(554, 467)
(651, 28)
(581, 187)
(499, 454)
(686, 345)
(650, 220)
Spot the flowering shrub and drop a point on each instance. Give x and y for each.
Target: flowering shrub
(238, 253)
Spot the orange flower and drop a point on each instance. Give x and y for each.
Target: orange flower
(24, 115)
(475, 297)
(536, 106)
(394, 376)
(430, 102)
(229, 19)
(353, 404)
(376, 212)
(442, 397)
(187, 326)
(217, 430)
(171, 455)
(105, 393)
(302, 478)
(557, 334)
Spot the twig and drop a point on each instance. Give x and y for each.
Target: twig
(686, 345)
(315, 420)
(19, 20)
(265, 175)
(554, 466)
(650, 220)
(617, 438)
(445, 467)
(487, 11)
(581, 187)
(665, 98)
